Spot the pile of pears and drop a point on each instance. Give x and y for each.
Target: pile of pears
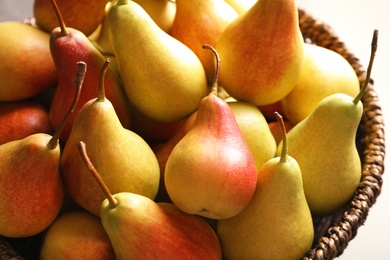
(161, 129)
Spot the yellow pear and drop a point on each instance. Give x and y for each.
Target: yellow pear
(162, 77)
(324, 72)
(277, 223)
(241, 6)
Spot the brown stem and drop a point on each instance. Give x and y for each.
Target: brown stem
(82, 68)
(102, 92)
(214, 87)
(284, 153)
(61, 22)
(92, 169)
(374, 46)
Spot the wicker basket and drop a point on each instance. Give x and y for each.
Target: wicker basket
(332, 233)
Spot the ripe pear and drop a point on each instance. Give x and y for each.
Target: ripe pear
(211, 171)
(124, 159)
(20, 119)
(68, 45)
(277, 223)
(162, 77)
(262, 51)
(27, 67)
(241, 6)
(31, 188)
(76, 235)
(330, 165)
(161, 11)
(255, 130)
(207, 16)
(324, 72)
(84, 16)
(140, 228)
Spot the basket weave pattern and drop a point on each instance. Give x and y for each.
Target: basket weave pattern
(332, 233)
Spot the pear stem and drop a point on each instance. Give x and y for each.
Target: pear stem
(82, 68)
(214, 86)
(374, 46)
(92, 169)
(102, 92)
(61, 22)
(284, 153)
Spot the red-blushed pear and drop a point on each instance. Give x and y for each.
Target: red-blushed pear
(161, 76)
(31, 188)
(269, 110)
(84, 16)
(77, 235)
(210, 17)
(211, 171)
(277, 223)
(275, 129)
(262, 51)
(140, 228)
(68, 45)
(20, 119)
(26, 64)
(324, 144)
(124, 159)
(161, 11)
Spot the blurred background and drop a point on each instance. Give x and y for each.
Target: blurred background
(354, 23)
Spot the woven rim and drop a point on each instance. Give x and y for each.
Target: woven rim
(333, 233)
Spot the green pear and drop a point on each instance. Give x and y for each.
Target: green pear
(211, 170)
(77, 235)
(84, 16)
(162, 77)
(255, 130)
(324, 72)
(68, 45)
(277, 223)
(324, 144)
(140, 228)
(31, 183)
(262, 52)
(195, 16)
(27, 67)
(124, 159)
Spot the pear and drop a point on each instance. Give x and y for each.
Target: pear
(211, 171)
(27, 67)
(20, 119)
(162, 77)
(76, 235)
(140, 228)
(331, 166)
(31, 184)
(277, 223)
(68, 45)
(162, 12)
(255, 129)
(262, 51)
(324, 72)
(207, 16)
(124, 159)
(84, 16)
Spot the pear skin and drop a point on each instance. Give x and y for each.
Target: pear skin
(207, 16)
(241, 6)
(324, 146)
(277, 223)
(27, 67)
(211, 171)
(324, 72)
(161, 76)
(262, 52)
